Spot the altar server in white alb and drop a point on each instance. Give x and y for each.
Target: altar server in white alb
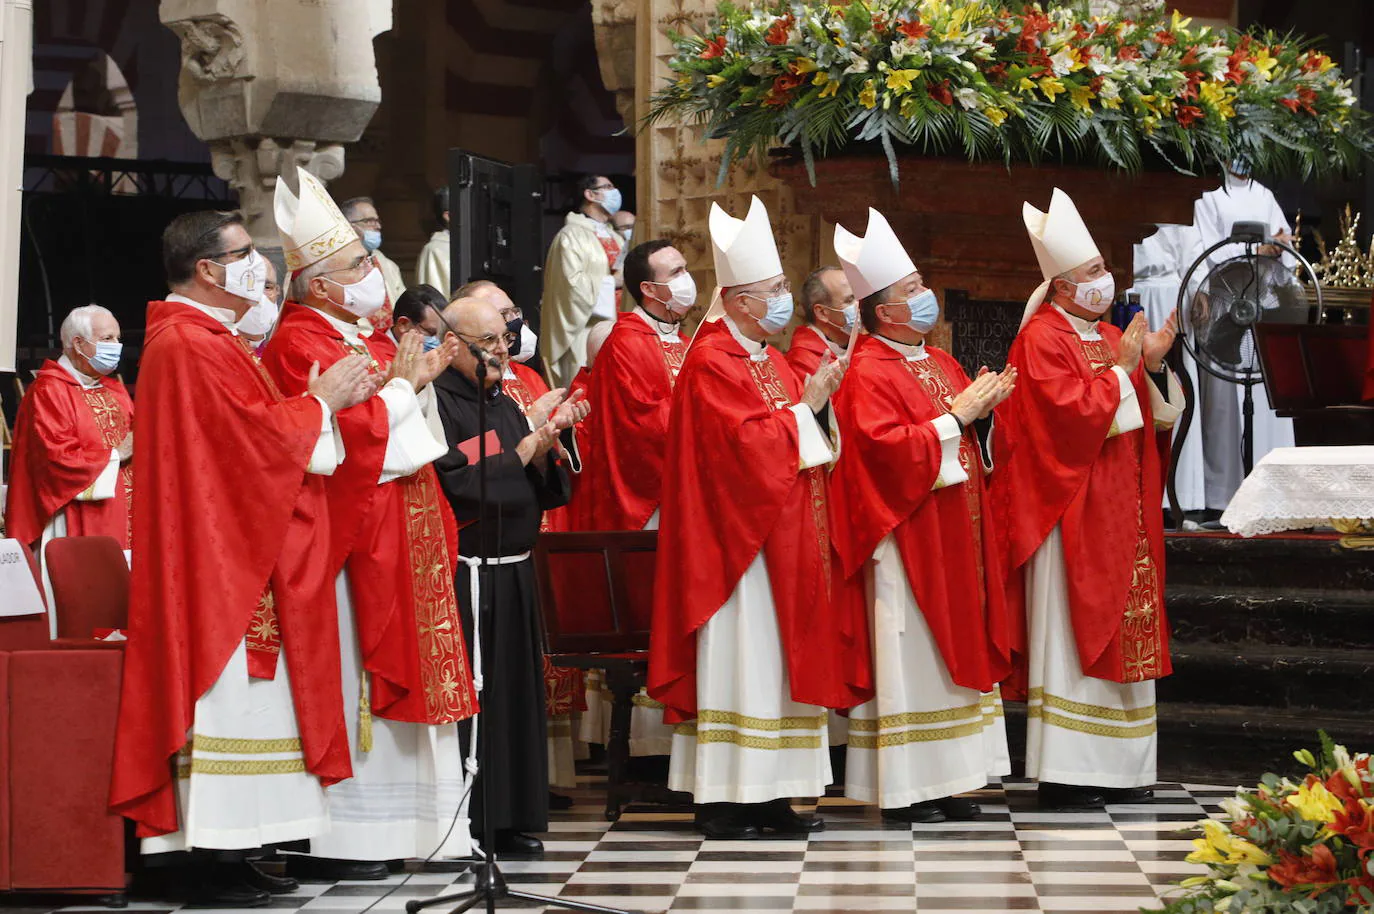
(392, 548)
(1077, 496)
(912, 532)
(748, 648)
(1239, 199)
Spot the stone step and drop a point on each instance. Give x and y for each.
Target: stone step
(1225, 561)
(1216, 744)
(1251, 674)
(1298, 617)
(1202, 743)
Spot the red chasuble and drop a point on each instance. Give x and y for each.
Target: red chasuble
(1058, 465)
(63, 436)
(731, 488)
(622, 465)
(398, 539)
(806, 352)
(228, 526)
(883, 484)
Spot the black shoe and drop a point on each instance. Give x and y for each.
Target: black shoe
(326, 869)
(518, 844)
(726, 822)
(959, 809)
(1068, 796)
(250, 873)
(1127, 794)
(446, 866)
(219, 891)
(924, 812)
(779, 816)
(559, 802)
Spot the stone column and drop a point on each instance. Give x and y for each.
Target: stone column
(16, 82)
(273, 83)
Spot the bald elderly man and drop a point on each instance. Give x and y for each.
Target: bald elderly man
(524, 480)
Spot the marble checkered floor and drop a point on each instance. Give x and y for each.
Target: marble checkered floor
(1015, 859)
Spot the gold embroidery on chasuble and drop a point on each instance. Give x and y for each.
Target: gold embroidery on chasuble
(444, 673)
(1142, 642)
(113, 423)
(263, 641)
(938, 387)
(673, 354)
(560, 689)
(771, 390)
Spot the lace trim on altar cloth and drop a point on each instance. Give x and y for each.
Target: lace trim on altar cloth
(1297, 488)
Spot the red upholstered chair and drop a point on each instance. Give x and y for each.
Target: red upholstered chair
(90, 585)
(58, 711)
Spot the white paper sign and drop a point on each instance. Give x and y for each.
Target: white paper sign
(19, 594)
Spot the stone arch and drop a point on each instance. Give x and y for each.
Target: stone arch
(97, 115)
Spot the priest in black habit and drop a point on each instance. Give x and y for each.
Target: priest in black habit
(524, 479)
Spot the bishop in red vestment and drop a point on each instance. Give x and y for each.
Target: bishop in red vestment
(393, 546)
(71, 474)
(914, 535)
(231, 692)
(829, 312)
(1078, 487)
(748, 649)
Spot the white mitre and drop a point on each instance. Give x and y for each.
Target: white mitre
(744, 248)
(311, 225)
(875, 261)
(1061, 241)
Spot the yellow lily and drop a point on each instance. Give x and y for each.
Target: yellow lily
(1026, 85)
(1315, 803)
(1219, 98)
(1264, 63)
(1081, 96)
(1179, 23)
(1112, 103)
(1052, 87)
(832, 86)
(1219, 845)
(899, 81)
(996, 115)
(804, 65)
(714, 80)
(868, 96)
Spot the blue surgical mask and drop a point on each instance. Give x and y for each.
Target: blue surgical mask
(106, 358)
(779, 313)
(431, 343)
(610, 200)
(925, 311)
(372, 239)
(851, 315)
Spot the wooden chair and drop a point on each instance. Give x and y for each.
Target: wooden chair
(596, 599)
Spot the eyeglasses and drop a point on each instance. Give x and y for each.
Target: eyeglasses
(373, 222)
(235, 254)
(511, 314)
(782, 288)
(604, 187)
(488, 342)
(364, 260)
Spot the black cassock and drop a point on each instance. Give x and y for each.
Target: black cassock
(513, 718)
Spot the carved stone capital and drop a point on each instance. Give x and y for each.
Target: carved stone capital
(252, 165)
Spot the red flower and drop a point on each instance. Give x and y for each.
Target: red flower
(715, 47)
(1290, 103)
(1312, 62)
(781, 92)
(1102, 29)
(997, 72)
(1356, 823)
(1318, 870)
(1081, 31)
(1188, 115)
(1306, 97)
(1128, 52)
(1189, 91)
(1032, 26)
(777, 32)
(1164, 36)
(1041, 61)
(940, 92)
(912, 29)
(879, 23)
(1096, 84)
(1233, 71)
(1189, 59)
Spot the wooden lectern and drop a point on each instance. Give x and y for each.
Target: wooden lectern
(1315, 375)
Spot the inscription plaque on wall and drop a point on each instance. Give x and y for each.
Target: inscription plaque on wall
(982, 330)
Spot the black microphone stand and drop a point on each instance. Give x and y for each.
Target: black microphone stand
(489, 885)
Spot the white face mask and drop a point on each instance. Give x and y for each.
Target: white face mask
(245, 277)
(529, 344)
(259, 318)
(1096, 296)
(364, 296)
(682, 289)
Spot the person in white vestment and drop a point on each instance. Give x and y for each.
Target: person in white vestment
(580, 279)
(433, 269)
(1240, 199)
(1159, 263)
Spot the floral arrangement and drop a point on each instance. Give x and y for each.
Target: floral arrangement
(1304, 846)
(978, 78)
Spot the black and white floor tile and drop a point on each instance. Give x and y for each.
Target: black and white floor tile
(1015, 859)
